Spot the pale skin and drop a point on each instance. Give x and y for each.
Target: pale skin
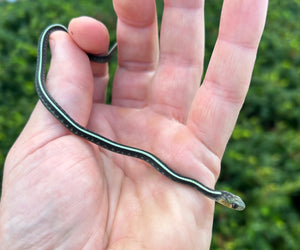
(62, 192)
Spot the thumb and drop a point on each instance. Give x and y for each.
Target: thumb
(70, 80)
(70, 83)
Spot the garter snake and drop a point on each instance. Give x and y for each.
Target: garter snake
(225, 198)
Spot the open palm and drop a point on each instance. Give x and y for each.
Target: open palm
(60, 191)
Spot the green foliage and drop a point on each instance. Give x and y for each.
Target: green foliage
(263, 155)
(262, 159)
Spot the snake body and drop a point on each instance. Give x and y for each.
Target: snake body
(225, 198)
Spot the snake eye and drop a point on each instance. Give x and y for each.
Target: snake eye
(234, 206)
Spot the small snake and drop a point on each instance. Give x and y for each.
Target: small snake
(225, 198)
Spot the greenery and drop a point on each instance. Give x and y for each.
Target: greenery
(262, 159)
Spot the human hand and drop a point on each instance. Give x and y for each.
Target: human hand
(60, 191)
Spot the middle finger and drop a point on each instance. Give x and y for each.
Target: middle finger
(137, 52)
(181, 58)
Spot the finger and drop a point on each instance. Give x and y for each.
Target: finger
(70, 83)
(70, 79)
(92, 37)
(137, 51)
(217, 104)
(181, 58)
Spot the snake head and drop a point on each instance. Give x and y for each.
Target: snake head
(230, 200)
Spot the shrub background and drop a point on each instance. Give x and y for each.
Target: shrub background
(262, 159)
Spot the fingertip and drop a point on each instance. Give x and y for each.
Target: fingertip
(92, 37)
(138, 13)
(89, 34)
